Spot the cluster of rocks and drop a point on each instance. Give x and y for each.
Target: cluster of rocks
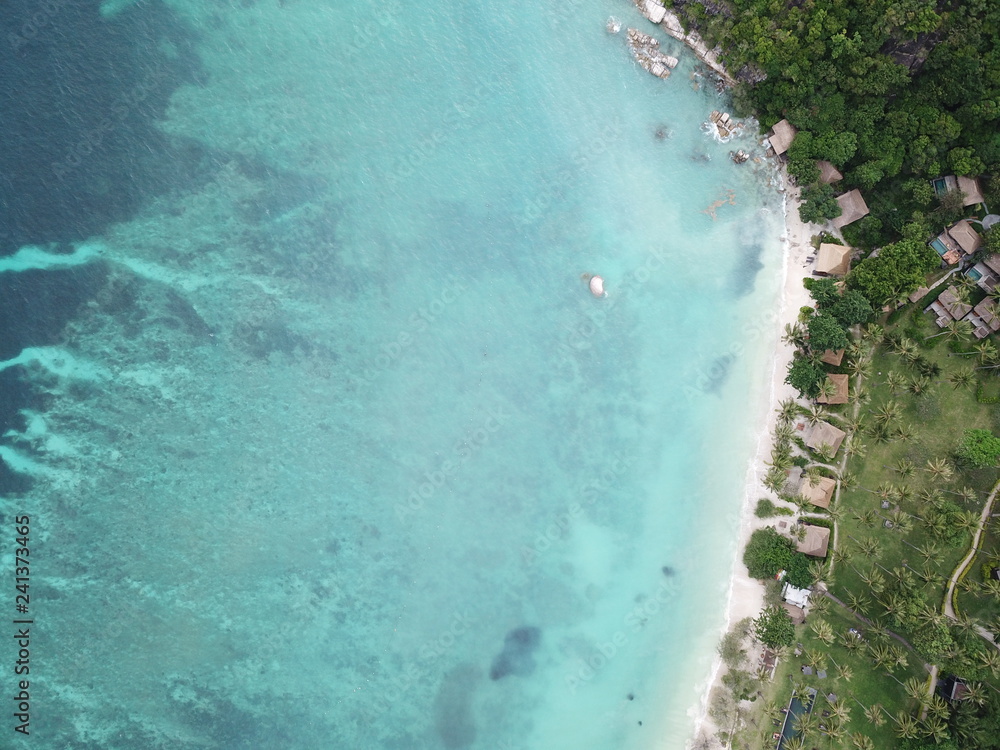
(646, 51)
(739, 156)
(724, 124)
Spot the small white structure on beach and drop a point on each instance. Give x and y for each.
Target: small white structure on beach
(796, 597)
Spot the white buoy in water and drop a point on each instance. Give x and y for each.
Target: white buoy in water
(597, 286)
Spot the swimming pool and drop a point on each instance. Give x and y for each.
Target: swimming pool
(938, 246)
(795, 709)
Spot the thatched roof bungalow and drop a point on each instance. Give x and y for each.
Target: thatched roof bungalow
(833, 260)
(818, 494)
(828, 173)
(816, 541)
(852, 208)
(967, 238)
(824, 433)
(840, 394)
(782, 135)
(832, 357)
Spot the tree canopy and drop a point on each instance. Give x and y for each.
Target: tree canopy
(980, 448)
(774, 627)
(896, 271)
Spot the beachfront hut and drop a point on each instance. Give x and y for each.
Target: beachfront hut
(824, 433)
(840, 394)
(852, 207)
(782, 135)
(973, 193)
(832, 357)
(828, 173)
(818, 494)
(833, 260)
(795, 596)
(966, 237)
(816, 541)
(917, 294)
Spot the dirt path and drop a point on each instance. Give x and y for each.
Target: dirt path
(949, 610)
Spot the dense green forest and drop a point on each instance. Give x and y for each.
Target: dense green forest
(893, 92)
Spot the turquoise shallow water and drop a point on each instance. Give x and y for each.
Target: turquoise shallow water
(344, 454)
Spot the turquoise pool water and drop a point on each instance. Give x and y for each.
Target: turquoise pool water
(938, 246)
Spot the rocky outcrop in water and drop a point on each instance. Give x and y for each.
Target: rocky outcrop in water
(646, 51)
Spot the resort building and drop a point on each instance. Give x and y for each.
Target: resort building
(818, 494)
(825, 434)
(852, 208)
(816, 541)
(956, 241)
(832, 357)
(948, 307)
(839, 395)
(782, 135)
(833, 260)
(984, 319)
(986, 273)
(972, 193)
(828, 173)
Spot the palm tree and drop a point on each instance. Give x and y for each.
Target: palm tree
(819, 572)
(816, 414)
(848, 480)
(990, 659)
(904, 493)
(775, 479)
(869, 546)
(844, 671)
(895, 381)
(795, 335)
(904, 432)
(787, 410)
(823, 630)
(916, 689)
(855, 447)
(827, 390)
(905, 468)
(874, 714)
(881, 655)
(900, 520)
(955, 329)
(783, 433)
(835, 729)
(873, 580)
(888, 412)
(794, 743)
(805, 724)
(907, 727)
(975, 693)
(929, 550)
(860, 367)
(859, 603)
(962, 378)
(873, 333)
(861, 741)
(886, 491)
(919, 386)
(814, 658)
(935, 728)
(938, 468)
(938, 707)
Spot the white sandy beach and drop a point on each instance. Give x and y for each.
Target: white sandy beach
(746, 595)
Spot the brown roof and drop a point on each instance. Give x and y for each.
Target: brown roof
(797, 614)
(824, 433)
(840, 396)
(832, 357)
(966, 237)
(950, 301)
(782, 135)
(993, 262)
(827, 172)
(918, 293)
(833, 260)
(818, 494)
(852, 206)
(986, 313)
(970, 186)
(815, 542)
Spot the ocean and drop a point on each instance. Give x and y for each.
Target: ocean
(323, 440)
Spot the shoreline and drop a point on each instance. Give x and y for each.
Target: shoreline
(746, 595)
